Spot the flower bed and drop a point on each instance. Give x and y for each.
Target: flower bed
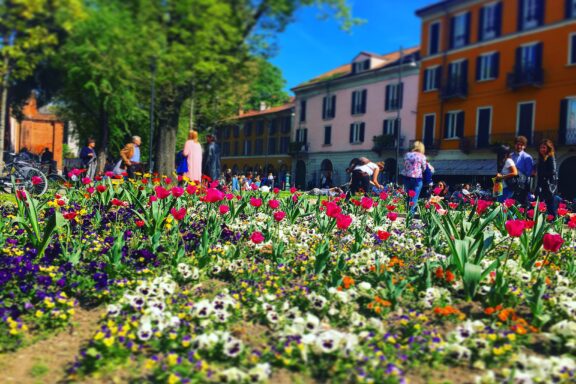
(205, 286)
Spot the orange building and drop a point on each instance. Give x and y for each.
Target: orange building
(492, 70)
(38, 129)
(259, 141)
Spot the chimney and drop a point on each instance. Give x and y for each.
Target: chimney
(263, 106)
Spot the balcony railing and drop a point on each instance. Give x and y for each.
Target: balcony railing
(386, 142)
(297, 148)
(470, 143)
(455, 88)
(525, 77)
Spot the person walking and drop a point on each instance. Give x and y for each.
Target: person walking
(130, 155)
(508, 174)
(193, 153)
(547, 176)
(414, 167)
(88, 157)
(211, 161)
(427, 181)
(524, 164)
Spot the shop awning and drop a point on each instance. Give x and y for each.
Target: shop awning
(464, 167)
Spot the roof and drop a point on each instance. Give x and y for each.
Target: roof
(268, 111)
(388, 59)
(438, 6)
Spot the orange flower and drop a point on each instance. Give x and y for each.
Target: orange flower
(348, 282)
(449, 276)
(439, 273)
(489, 311)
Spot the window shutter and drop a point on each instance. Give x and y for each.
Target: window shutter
(498, 20)
(563, 128)
(467, 29)
(573, 45)
(434, 39)
(400, 95)
(352, 132)
(446, 125)
(452, 24)
(397, 125)
(478, 67)
(387, 99)
(362, 125)
(438, 76)
(333, 107)
(540, 10)
(464, 73)
(520, 14)
(324, 107)
(481, 24)
(568, 8)
(518, 65)
(353, 101)
(305, 134)
(539, 55)
(495, 65)
(460, 125)
(364, 100)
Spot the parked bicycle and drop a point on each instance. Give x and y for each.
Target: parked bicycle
(21, 174)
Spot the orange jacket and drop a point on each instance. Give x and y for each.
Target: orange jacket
(127, 152)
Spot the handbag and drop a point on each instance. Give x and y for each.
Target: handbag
(182, 165)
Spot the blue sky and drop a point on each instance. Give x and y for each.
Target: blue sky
(310, 47)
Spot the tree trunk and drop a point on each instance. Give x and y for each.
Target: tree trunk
(105, 132)
(165, 145)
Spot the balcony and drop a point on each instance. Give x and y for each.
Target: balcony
(525, 77)
(296, 148)
(385, 143)
(455, 88)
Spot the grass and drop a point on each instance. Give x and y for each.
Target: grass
(39, 370)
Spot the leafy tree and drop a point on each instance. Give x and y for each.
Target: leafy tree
(267, 86)
(103, 76)
(196, 43)
(29, 32)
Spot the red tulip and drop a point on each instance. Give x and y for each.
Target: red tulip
(333, 209)
(101, 188)
(86, 180)
(383, 235)
(562, 211)
(453, 205)
(273, 204)
(343, 221)
(254, 187)
(257, 237)
(279, 216)
(437, 190)
(224, 209)
(515, 228)
(411, 193)
(276, 190)
(366, 202)
(255, 202)
(392, 216)
(177, 191)
(552, 242)
(191, 189)
(529, 224)
(21, 194)
(90, 190)
(482, 206)
(161, 192)
(178, 214)
(60, 203)
(293, 190)
(69, 215)
(390, 207)
(213, 195)
(36, 180)
(140, 223)
(383, 196)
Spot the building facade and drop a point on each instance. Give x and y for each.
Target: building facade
(492, 70)
(352, 111)
(259, 142)
(39, 128)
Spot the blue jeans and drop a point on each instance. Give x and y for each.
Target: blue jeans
(506, 194)
(413, 184)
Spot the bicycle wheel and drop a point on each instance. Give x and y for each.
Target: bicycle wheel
(32, 179)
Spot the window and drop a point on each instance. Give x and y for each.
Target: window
(272, 145)
(226, 148)
(572, 49)
(357, 133)
(432, 78)
(360, 66)
(272, 127)
(259, 127)
(490, 21)
(236, 148)
(359, 102)
(328, 135)
(259, 147)
(460, 31)
(236, 131)
(247, 147)
(434, 38)
(529, 57)
(227, 132)
(248, 129)
(302, 110)
(454, 125)
(284, 142)
(394, 96)
(302, 135)
(487, 66)
(570, 9)
(530, 14)
(286, 124)
(328, 107)
(390, 127)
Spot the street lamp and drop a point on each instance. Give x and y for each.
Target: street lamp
(398, 127)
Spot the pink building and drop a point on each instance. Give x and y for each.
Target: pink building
(353, 111)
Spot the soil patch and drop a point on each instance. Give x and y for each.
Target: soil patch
(456, 375)
(47, 360)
